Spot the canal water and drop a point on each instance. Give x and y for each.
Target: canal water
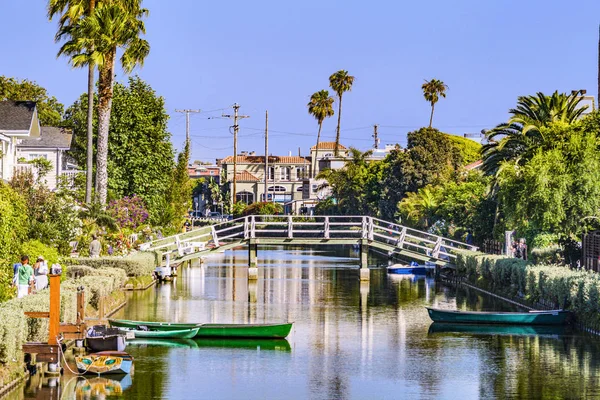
(350, 340)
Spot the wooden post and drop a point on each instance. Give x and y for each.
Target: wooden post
(253, 227)
(214, 235)
(54, 321)
(326, 228)
(80, 307)
(101, 308)
(290, 228)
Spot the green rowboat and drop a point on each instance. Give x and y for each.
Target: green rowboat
(552, 317)
(157, 334)
(157, 326)
(264, 331)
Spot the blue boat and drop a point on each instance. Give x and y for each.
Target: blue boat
(412, 269)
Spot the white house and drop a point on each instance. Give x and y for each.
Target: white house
(52, 145)
(18, 120)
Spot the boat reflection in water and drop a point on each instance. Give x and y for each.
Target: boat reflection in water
(255, 344)
(502, 330)
(102, 387)
(180, 343)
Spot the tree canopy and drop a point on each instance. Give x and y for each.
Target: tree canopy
(141, 157)
(50, 110)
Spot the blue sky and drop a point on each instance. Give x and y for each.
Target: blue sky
(273, 54)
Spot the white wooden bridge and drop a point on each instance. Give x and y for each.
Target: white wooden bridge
(367, 232)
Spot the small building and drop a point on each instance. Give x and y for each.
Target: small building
(18, 120)
(200, 199)
(52, 144)
(285, 176)
(324, 157)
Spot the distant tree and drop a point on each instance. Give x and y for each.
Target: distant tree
(96, 38)
(469, 150)
(340, 82)
(348, 184)
(140, 153)
(320, 106)
(50, 111)
(432, 90)
(419, 208)
(519, 138)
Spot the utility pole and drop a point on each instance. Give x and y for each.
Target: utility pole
(375, 135)
(236, 128)
(187, 124)
(266, 154)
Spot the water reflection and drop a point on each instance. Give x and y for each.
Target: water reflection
(101, 387)
(351, 339)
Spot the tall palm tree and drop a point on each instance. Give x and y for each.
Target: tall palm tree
(432, 90)
(340, 82)
(518, 138)
(71, 12)
(96, 38)
(320, 106)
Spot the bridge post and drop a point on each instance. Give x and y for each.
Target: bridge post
(326, 228)
(252, 260)
(365, 274)
(290, 229)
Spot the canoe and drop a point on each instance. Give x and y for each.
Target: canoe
(159, 334)
(552, 317)
(159, 326)
(272, 331)
(554, 331)
(105, 362)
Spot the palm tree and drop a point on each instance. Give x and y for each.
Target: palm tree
(518, 138)
(96, 38)
(320, 106)
(340, 82)
(72, 11)
(432, 90)
(420, 207)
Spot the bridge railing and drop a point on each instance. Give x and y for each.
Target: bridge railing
(353, 228)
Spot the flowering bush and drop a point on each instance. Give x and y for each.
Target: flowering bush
(129, 212)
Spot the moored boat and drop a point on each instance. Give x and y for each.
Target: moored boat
(144, 332)
(272, 331)
(162, 326)
(551, 317)
(102, 338)
(412, 269)
(105, 362)
(264, 331)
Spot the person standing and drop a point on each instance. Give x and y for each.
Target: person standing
(25, 277)
(95, 247)
(40, 270)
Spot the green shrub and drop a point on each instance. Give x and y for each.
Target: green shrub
(263, 208)
(138, 264)
(547, 255)
(35, 248)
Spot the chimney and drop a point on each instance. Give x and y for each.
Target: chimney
(290, 153)
(252, 153)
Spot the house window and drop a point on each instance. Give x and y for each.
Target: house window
(276, 189)
(300, 173)
(33, 156)
(271, 173)
(286, 173)
(245, 197)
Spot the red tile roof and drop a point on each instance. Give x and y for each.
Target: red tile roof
(329, 146)
(474, 165)
(246, 176)
(261, 160)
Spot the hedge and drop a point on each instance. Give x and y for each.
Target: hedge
(576, 290)
(138, 264)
